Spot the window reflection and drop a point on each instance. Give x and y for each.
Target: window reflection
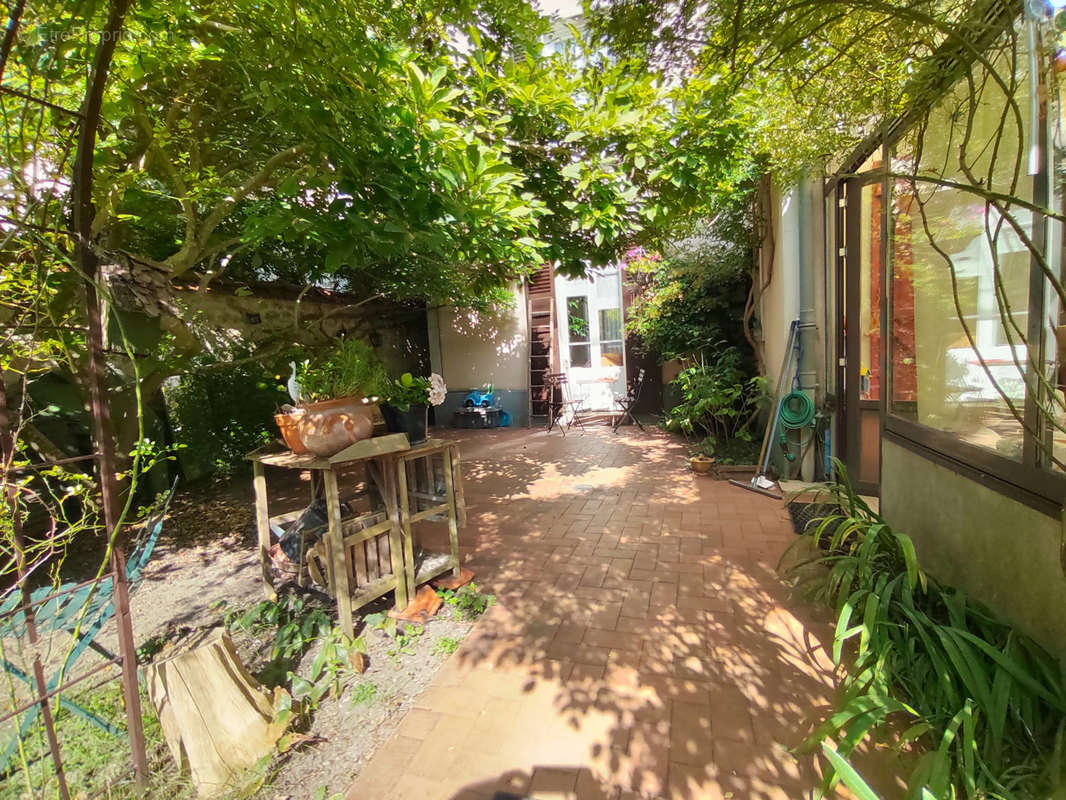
(960, 275)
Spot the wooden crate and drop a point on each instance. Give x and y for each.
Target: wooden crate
(367, 557)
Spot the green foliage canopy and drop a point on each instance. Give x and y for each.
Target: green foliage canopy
(424, 151)
(811, 79)
(690, 300)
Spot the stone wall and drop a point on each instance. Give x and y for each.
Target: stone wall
(397, 331)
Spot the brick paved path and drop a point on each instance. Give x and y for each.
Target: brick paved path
(640, 647)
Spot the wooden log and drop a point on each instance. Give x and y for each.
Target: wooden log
(218, 720)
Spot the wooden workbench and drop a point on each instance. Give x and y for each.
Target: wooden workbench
(405, 478)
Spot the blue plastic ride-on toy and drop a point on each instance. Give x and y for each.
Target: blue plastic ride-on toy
(481, 399)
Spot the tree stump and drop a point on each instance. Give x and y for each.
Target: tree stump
(217, 719)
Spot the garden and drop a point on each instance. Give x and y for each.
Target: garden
(224, 227)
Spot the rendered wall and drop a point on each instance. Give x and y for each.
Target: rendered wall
(399, 331)
(780, 300)
(967, 535)
(796, 290)
(470, 349)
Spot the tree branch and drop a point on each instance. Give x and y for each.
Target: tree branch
(184, 260)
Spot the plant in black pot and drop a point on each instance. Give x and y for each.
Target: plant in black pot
(407, 402)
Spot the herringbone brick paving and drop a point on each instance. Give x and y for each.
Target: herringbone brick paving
(642, 644)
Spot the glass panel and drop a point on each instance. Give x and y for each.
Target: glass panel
(610, 324)
(871, 163)
(608, 290)
(580, 355)
(960, 273)
(610, 354)
(577, 314)
(1053, 396)
(870, 294)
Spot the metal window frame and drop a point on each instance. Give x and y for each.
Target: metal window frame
(1029, 481)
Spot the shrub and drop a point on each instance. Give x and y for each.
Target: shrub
(468, 602)
(718, 398)
(985, 703)
(351, 368)
(695, 294)
(221, 410)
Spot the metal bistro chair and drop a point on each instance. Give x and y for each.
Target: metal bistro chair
(627, 402)
(62, 608)
(563, 409)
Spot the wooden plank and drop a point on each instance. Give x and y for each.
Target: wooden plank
(385, 555)
(435, 498)
(353, 538)
(288, 460)
(428, 447)
(262, 524)
(444, 509)
(351, 558)
(430, 473)
(372, 448)
(357, 553)
(373, 591)
(408, 466)
(370, 553)
(335, 537)
(407, 575)
(457, 483)
(453, 521)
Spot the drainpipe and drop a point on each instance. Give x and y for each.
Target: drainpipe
(808, 245)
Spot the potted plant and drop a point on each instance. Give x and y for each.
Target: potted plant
(702, 461)
(333, 396)
(719, 402)
(407, 401)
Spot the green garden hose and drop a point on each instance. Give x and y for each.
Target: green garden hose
(796, 411)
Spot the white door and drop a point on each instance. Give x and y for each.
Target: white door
(591, 337)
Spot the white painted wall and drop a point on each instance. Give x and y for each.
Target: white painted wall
(798, 255)
(780, 302)
(470, 349)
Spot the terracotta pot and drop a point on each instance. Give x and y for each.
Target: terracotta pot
(701, 465)
(289, 427)
(327, 427)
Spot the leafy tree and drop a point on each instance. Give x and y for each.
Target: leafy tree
(427, 152)
(811, 78)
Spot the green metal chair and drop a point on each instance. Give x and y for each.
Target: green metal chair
(60, 608)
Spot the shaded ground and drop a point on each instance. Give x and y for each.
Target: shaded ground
(208, 558)
(348, 728)
(643, 644)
